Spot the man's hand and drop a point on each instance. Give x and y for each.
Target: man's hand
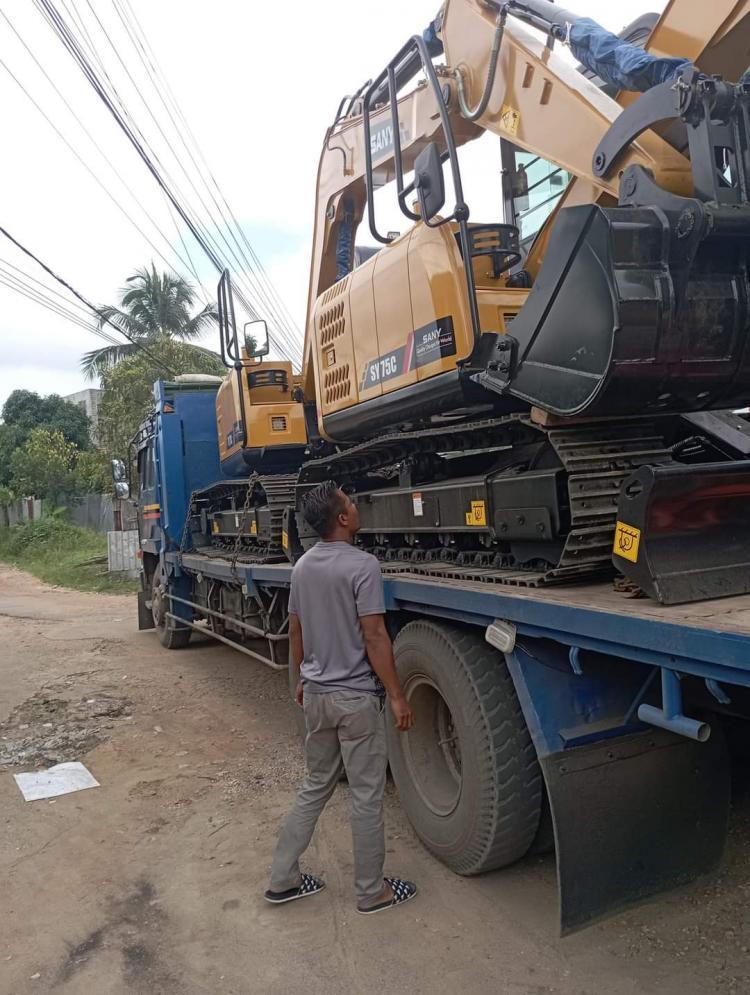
(380, 655)
(402, 713)
(298, 693)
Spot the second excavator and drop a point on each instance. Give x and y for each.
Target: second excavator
(506, 408)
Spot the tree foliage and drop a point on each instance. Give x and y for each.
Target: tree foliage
(128, 389)
(154, 309)
(92, 473)
(45, 467)
(25, 410)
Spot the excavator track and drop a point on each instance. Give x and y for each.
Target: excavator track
(244, 517)
(596, 457)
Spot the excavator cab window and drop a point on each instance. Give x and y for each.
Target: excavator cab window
(532, 187)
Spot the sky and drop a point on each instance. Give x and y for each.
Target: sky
(258, 84)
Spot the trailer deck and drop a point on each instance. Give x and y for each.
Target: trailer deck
(709, 639)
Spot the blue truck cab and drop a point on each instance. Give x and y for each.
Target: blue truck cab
(176, 453)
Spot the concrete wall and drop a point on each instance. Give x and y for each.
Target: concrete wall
(99, 512)
(23, 510)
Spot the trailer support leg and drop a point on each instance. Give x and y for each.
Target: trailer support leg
(670, 715)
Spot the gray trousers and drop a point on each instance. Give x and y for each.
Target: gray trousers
(343, 728)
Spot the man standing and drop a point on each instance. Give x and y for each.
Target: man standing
(337, 634)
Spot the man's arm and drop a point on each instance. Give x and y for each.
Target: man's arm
(380, 654)
(296, 653)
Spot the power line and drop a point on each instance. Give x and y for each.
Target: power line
(88, 303)
(46, 291)
(139, 142)
(85, 165)
(153, 69)
(98, 149)
(26, 290)
(271, 299)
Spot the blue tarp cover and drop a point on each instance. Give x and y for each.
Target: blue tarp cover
(619, 63)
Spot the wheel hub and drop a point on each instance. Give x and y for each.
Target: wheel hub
(432, 750)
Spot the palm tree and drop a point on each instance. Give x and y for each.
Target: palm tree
(152, 308)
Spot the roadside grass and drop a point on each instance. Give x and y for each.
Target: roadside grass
(63, 554)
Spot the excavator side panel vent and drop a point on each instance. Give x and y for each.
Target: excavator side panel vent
(337, 384)
(332, 323)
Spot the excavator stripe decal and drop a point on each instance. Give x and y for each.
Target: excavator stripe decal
(425, 345)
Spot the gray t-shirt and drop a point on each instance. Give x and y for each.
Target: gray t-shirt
(333, 585)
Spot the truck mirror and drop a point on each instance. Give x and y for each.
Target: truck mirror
(256, 338)
(119, 472)
(122, 490)
(428, 181)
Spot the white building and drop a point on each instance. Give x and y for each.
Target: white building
(88, 399)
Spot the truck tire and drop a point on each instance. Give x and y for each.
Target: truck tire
(170, 636)
(467, 773)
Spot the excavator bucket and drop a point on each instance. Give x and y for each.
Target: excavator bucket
(621, 319)
(683, 532)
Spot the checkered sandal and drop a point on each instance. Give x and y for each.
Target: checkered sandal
(402, 892)
(310, 886)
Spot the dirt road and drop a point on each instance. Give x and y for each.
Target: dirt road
(151, 883)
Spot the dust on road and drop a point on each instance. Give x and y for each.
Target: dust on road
(152, 883)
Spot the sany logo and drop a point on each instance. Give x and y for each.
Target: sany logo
(381, 140)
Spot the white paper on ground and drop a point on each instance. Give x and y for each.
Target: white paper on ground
(58, 780)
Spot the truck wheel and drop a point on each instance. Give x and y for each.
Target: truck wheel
(170, 636)
(467, 773)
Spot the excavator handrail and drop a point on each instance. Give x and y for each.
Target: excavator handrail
(390, 76)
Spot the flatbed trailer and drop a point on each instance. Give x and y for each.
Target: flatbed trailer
(571, 717)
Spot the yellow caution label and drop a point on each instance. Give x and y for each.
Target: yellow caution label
(627, 541)
(285, 539)
(253, 528)
(215, 527)
(478, 514)
(510, 119)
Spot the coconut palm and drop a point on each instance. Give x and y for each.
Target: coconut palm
(153, 308)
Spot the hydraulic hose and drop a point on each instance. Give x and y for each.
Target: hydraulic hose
(473, 114)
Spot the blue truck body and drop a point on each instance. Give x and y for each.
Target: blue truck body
(626, 701)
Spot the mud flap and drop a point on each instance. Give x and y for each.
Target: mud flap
(145, 618)
(634, 816)
(683, 532)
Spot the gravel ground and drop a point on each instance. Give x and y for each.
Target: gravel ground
(152, 882)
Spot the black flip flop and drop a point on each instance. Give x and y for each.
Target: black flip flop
(310, 886)
(402, 892)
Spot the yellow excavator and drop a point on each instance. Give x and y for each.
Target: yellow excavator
(541, 395)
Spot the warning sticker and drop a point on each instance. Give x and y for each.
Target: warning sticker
(417, 504)
(253, 528)
(215, 527)
(477, 516)
(510, 118)
(627, 540)
(285, 540)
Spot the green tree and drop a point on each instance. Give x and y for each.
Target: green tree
(153, 309)
(45, 467)
(10, 440)
(92, 473)
(25, 410)
(128, 389)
